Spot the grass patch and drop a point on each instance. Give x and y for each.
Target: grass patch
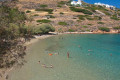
(81, 10)
(114, 17)
(104, 29)
(62, 2)
(100, 22)
(46, 10)
(85, 26)
(59, 6)
(62, 23)
(83, 17)
(28, 11)
(116, 28)
(43, 5)
(36, 15)
(50, 16)
(71, 30)
(61, 13)
(44, 21)
(93, 8)
(90, 24)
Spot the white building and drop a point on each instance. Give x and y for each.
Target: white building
(105, 5)
(76, 2)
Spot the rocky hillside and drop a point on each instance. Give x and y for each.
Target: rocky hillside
(65, 17)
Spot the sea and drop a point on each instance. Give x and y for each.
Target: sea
(91, 57)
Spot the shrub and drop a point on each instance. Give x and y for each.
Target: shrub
(84, 26)
(118, 14)
(62, 23)
(61, 13)
(50, 16)
(81, 17)
(93, 17)
(62, 2)
(116, 28)
(59, 6)
(97, 17)
(88, 30)
(104, 29)
(28, 11)
(36, 15)
(26, 30)
(90, 24)
(100, 22)
(71, 30)
(44, 21)
(93, 8)
(115, 17)
(90, 18)
(46, 10)
(43, 5)
(107, 13)
(81, 10)
(43, 29)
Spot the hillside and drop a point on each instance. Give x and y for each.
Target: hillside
(65, 17)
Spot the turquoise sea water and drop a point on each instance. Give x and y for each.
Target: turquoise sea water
(92, 57)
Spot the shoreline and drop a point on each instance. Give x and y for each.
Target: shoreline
(37, 38)
(90, 32)
(4, 73)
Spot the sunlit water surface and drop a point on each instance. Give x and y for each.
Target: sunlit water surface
(92, 57)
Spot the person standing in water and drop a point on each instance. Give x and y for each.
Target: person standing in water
(67, 54)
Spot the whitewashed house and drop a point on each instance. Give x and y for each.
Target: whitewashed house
(79, 2)
(105, 5)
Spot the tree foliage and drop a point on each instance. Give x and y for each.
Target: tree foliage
(43, 29)
(11, 22)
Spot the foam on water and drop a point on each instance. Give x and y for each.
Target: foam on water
(92, 57)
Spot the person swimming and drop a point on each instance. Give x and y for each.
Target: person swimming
(89, 50)
(79, 46)
(67, 54)
(111, 54)
(88, 54)
(57, 53)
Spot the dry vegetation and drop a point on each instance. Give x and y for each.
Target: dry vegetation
(68, 16)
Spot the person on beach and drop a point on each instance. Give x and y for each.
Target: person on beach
(39, 62)
(51, 66)
(43, 65)
(67, 54)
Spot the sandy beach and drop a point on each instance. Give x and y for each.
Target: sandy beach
(4, 72)
(37, 38)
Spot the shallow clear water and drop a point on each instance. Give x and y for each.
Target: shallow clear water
(92, 57)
